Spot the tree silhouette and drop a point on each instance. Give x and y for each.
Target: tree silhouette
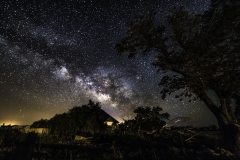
(147, 119)
(86, 119)
(43, 123)
(198, 52)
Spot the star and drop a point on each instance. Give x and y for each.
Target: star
(57, 55)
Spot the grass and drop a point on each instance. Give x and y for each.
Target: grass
(177, 144)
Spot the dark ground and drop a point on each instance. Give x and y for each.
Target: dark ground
(168, 144)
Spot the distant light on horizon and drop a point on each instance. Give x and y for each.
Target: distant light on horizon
(7, 123)
(62, 59)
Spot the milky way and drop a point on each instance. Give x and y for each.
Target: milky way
(54, 56)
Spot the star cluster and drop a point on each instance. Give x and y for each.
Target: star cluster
(56, 55)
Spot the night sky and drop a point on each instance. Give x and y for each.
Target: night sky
(54, 56)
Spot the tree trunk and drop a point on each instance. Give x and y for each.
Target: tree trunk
(227, 121)
(230, 136)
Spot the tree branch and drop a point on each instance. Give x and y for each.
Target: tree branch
(209, 103)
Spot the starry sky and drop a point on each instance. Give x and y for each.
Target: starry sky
(57, 55)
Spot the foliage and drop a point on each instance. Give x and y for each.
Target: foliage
(147, 119)
(115, 146)
(87, 117)
(43, 123)
(78, 120)
(198, 52)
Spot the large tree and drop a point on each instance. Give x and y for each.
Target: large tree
(199, 52)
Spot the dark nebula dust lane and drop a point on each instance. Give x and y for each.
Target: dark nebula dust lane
(56, 55)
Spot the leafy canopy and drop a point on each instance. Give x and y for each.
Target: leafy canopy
(85, 119)
(147, 119)
(198, 52)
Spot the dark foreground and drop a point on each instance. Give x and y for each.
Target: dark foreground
(169, 144)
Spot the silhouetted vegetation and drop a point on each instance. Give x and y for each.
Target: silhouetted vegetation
(201, 52)
(87, 119)
(147, 119)
(143, 137)
(198, 53)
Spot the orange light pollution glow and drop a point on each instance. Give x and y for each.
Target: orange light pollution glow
(9, 122)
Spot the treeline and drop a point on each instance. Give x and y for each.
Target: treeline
(87, 119)
(146, 136)
(90, 119)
